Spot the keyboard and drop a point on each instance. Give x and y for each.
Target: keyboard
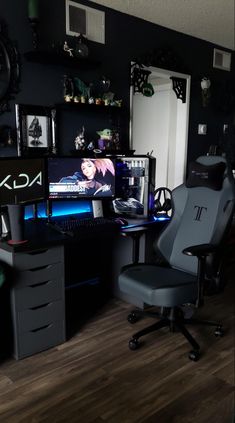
(79, 226)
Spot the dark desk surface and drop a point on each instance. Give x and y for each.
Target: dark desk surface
(41, 235)
(37, 234)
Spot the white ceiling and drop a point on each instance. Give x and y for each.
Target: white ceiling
(210, 20)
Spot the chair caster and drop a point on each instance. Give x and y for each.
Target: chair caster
(194, 355)
(134, 344)
(132, 318)
(219, 331)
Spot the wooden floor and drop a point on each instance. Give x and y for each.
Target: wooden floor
(94, 377)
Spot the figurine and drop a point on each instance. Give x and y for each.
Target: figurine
(105, 139)
(81, 49)
(80, 140)
(68, 49)
(68, 88)
(90, 146)
(82, 91)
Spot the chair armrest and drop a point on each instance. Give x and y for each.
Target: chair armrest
(135, 233)
(200, 250)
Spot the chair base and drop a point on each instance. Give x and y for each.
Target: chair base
(174, 319)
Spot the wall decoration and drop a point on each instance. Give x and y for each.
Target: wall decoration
(206, 92)
(179, 87)
(85, 20)
(9, 69)
(139, 77)
(164, 58)
(36, 130)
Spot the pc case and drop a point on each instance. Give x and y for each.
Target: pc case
(135, 185)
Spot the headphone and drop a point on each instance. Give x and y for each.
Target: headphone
(160, 194)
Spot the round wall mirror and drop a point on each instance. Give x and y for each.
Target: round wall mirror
(9, 69)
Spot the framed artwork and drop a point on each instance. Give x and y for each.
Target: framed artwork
(36, 130)
(84, 20)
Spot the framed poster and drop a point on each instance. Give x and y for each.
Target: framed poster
(36, 130)
(81, 19)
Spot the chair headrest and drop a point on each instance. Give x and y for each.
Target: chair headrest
(210, 160)
(207, 171)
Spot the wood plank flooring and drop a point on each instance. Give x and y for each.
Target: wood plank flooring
(95, 378)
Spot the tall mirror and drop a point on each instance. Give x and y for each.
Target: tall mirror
(159, 121)
(9, 69)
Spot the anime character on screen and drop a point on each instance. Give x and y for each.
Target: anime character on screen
(96, 177)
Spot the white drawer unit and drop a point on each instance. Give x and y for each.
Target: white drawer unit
(37, 299)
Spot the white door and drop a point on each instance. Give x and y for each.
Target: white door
(159, 126)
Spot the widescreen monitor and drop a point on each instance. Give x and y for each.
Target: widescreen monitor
(75, 177)
(22, 180)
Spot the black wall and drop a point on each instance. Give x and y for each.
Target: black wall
(127, 38)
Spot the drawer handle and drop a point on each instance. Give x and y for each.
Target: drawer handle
(41, 328)
(40, 306)
(40, 268)
(39, 284)
(34, 253)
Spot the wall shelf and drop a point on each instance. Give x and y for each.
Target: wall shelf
(88, 107)
(60, 59)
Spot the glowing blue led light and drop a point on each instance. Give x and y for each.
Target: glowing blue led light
(60, 208)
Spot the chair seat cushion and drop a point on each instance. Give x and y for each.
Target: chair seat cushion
(159, 286)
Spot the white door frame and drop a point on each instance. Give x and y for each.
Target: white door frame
(182, 128)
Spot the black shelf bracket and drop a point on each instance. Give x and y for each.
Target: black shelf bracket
(179, 87)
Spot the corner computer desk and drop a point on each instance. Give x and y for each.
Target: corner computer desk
(42, 270)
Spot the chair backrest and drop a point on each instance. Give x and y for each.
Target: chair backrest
(203, 208)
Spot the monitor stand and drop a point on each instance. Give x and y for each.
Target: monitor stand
(48, 210)
(35, 211)
(97, 208)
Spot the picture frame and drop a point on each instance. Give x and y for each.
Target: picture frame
(88, 21)
(36, 130)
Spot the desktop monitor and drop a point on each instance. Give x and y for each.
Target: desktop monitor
(71, 178)
(22, 180)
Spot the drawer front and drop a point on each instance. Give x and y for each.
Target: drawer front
(37, 258)
(40, 316)
(37, 294)
(33, 276)
(41, 339)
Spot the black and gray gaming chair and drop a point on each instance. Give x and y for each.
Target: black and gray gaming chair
(190, 244)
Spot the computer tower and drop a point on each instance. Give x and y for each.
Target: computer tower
(135, 185)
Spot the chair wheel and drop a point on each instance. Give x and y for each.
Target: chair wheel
(132, 318)
(194, 355)
(219, 331)
(134, 344)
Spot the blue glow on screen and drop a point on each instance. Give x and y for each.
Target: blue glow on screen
(63, 208)
(60, 208)
(28, 211)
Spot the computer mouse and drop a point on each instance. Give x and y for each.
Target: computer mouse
(121, 221)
